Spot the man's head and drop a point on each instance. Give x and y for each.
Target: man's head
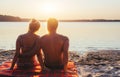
(34, 25)
(52, 25)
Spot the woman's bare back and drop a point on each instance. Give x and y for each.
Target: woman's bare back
(27, 42)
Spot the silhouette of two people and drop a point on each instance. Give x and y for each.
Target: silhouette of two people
(51, 50)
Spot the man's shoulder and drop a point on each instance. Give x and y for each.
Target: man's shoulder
(44, 37)
(63, 37)
(58, 36)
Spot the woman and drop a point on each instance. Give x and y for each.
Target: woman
(24, 45)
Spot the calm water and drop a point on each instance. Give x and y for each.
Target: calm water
(84, 36)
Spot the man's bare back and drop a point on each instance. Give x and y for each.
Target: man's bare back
(54, 47)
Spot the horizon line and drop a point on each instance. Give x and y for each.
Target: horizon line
(64, 19)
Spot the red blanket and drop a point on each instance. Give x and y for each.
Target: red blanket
(4, 72)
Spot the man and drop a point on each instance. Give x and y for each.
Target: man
(54, 47)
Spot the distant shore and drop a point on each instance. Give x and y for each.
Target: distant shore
(101, 63)
(8, 18)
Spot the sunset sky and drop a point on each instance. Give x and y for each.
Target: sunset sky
(62, 9)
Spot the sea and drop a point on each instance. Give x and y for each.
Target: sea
(83, 36)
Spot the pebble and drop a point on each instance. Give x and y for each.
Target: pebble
(102, 63)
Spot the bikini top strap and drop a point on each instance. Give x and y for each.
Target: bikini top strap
(21, 42)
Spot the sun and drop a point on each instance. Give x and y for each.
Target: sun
(48, 8)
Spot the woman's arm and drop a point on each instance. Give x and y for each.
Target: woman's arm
(39, 53)
(16, 53)
(40, 59)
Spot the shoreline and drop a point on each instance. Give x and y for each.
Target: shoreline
(100, 63)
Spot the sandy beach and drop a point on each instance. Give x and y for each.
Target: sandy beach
(101, 63)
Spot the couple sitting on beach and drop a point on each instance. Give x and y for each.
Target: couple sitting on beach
(50, 50)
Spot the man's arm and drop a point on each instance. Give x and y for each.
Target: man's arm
(65, 53)
(16, 53)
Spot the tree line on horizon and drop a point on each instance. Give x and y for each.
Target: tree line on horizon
(5, 18)
(11, 18)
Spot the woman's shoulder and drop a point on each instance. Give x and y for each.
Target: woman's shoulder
(20, 36)
(37, 36)
(28, 35)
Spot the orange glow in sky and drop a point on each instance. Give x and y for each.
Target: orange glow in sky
(62, 9)
(48, 8)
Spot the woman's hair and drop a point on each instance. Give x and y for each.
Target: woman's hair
(34, 25)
